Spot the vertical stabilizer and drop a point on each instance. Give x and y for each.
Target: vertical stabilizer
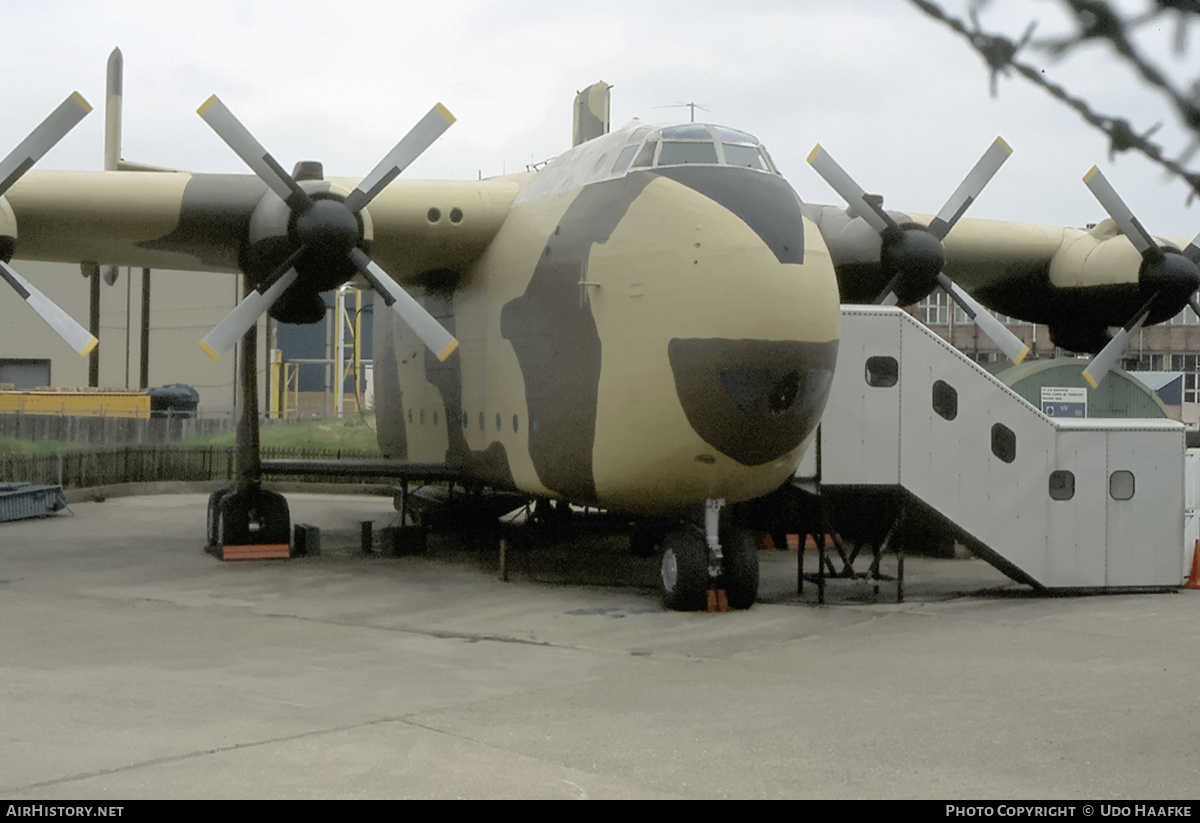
(591, 113)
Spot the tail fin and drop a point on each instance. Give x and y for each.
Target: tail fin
(591, 113)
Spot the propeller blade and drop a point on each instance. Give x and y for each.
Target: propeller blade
(42, 139)
(969, 189)
(77, 337)
(1112, 351)
(410, 147)
(997, 332)
(1192, 252)
(243, 143)
(1121, 214)
(441, 342)
(851, 192)
(244, 315)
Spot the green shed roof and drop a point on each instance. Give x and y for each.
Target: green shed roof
(1118, 395)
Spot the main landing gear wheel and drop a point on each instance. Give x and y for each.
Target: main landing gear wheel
(684, 578)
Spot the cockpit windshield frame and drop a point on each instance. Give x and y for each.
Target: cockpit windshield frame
(640, 147)
(705, 144)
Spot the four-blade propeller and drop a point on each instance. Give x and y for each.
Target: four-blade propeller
(1165, 275)
(914, 255)
(41, 140)
(328, 227)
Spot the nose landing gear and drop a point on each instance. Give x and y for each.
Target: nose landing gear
(720, 557)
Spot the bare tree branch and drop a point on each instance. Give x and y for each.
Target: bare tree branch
(1096, 20)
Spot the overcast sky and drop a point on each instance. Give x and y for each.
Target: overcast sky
(899, 100)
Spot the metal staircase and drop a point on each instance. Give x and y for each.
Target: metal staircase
(1056, 503)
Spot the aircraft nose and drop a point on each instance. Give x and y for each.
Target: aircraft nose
(753, 400)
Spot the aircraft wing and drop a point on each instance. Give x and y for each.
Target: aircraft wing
(202, 222)
(980, 254)
(1078, 281)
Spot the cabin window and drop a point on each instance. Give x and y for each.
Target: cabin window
(1062, 485)
(945, 400)
(645, 157)
(1120, 485)
(623, 159)
(883, 372)
(678, 153)
(1004, 443)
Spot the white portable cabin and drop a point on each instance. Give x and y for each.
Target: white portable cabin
(1058, 503)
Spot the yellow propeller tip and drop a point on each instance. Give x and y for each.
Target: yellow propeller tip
(210, 351)
(79, 101)
(449, 350)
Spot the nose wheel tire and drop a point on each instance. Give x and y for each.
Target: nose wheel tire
(739, 575)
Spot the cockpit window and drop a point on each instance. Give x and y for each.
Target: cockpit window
(733, 135)
(678, 153)
(646, 155)
(623, 159)
(688, 131)
(638, 134)
(748, 156)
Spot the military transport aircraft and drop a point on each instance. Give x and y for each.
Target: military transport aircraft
(647, 323)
